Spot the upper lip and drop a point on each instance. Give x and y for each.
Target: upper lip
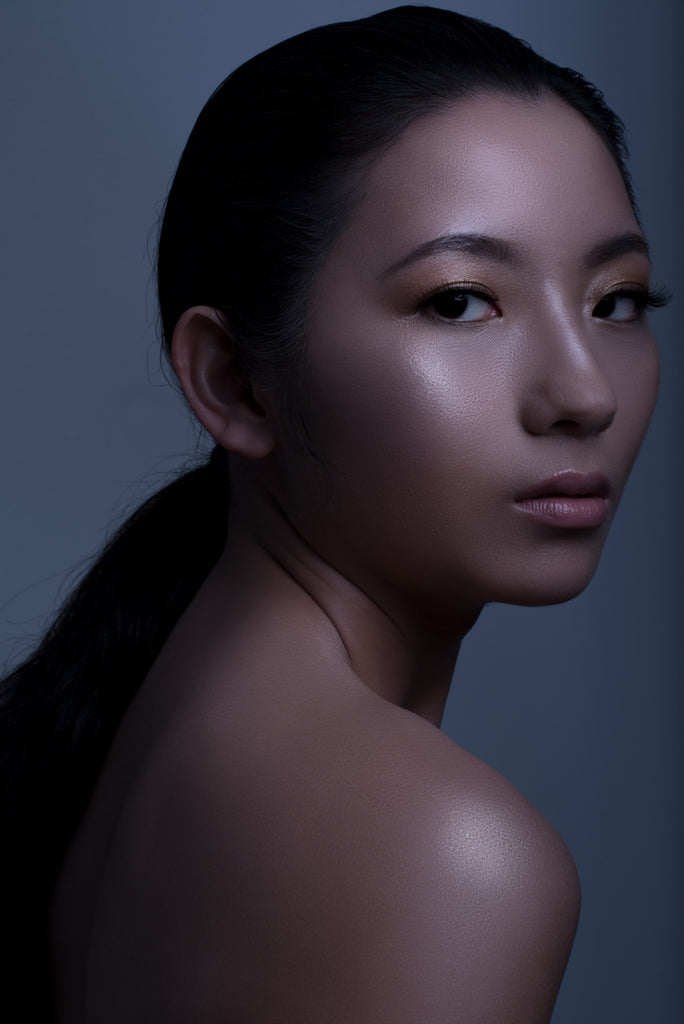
(569, 483)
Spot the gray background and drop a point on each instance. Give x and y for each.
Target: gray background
(580, 705)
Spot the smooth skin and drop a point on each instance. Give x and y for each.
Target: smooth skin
(280, 832)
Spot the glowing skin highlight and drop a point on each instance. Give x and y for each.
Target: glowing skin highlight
(478, 329)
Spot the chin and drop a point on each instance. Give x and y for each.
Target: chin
(551, 597)
(555, 592)
(550, 584)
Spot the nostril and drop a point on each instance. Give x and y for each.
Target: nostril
(572, 428)
(565, 425)
(582, 426)
(565, 401)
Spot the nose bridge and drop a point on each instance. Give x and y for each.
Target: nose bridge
(568, 388)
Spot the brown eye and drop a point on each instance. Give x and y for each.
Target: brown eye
(621, 306)
(461, 305)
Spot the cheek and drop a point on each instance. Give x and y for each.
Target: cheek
(637, 379)
(412, 436)
(425, 413)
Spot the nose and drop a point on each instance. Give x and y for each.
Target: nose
(568, 390)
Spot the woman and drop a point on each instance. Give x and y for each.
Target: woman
(404, 289)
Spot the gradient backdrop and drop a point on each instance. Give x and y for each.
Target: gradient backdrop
(580, 705)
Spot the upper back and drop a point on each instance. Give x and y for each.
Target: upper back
(315, 855)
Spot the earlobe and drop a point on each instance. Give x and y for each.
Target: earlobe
(204, 358)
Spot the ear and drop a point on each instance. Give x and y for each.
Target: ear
(203, 356)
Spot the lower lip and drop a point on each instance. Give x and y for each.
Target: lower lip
(565, 511)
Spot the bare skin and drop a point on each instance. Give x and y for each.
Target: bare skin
(281, 833)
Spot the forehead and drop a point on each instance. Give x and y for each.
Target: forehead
(532, 171)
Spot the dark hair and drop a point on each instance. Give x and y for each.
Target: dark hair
(266, 183)
(271, 169)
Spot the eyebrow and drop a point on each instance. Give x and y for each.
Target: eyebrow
(612, 248)
(498, 250)
(482, 246)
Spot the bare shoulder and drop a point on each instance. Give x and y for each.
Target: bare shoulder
(366, 870)
(485, 892)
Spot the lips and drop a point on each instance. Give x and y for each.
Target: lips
(568, 500)
(570, 484)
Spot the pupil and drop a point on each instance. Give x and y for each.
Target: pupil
(451, 304)
(606, 306)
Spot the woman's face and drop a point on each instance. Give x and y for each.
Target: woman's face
(480, 371)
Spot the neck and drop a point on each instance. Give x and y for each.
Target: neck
(400, 653)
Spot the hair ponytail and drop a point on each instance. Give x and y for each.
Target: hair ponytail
(61, 707)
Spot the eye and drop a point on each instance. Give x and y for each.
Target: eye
(628, 305)
(623, 306)
(462, 305)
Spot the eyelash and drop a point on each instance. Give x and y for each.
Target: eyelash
(464, 289)
(644, 300)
